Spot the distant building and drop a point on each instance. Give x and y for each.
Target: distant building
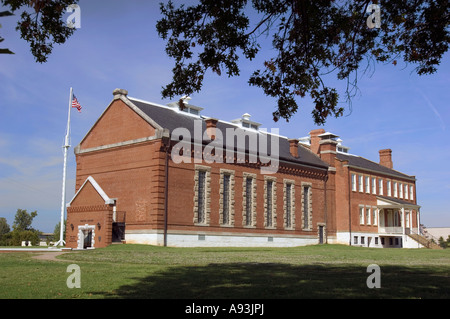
(167, 175)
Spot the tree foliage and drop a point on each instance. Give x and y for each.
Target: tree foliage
(41, 24)
(310, 40)
(23, 219)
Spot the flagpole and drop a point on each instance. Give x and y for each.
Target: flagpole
(66, 147)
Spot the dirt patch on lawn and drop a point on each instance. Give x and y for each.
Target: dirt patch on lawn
(51, 256)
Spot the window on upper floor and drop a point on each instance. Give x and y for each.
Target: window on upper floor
(400, 190)
(374, 185)
(354, 182)
(388, 188)
(380, 186)
(395, 190)
(411, 192)
(367, 184)
(360, 183)
(361, 215)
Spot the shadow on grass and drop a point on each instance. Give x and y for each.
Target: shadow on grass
(276, 280)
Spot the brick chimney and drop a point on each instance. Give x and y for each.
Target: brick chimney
(327, 147)
(315, 140)
(386, 158)
(211, 125)
(293, 147)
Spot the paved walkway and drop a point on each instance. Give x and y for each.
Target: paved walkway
(44, 254)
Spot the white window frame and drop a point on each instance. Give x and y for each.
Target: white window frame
(367, 184)
(400, 190)
(389, 187)
(380, 186)
(368, 211)
(360, 183)
(395, 189)
(354, 182)
(374, 185)
(411, 192)
(361, 215)
(375, 215)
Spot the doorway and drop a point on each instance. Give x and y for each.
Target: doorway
(86, 237)
(321, 234)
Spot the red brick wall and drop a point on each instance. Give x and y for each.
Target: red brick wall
(118, 124)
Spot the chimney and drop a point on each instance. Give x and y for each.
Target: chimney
(315, 139)
(327, 147)
(386, 158)
(119, 92)
(211, 125)
(293, 147)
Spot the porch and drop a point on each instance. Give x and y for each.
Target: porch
(396, 216)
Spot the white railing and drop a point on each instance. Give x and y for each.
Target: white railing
(390, 230)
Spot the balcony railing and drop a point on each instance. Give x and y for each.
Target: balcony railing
(391, 230)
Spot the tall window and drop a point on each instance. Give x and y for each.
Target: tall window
(354, 182)
(380, 186)
(306, 209)
(395, 189)
(375, 215)
(226, 206)
(406, 192)
(249, 200)
(360, 181)
(269, 203)
(367, 184)
(226, 199)
(361, 215)
(411, 192)
(289, 206)
(201, 197)
(374, 185)
(368, 217)
(400, 190)
(389, 190)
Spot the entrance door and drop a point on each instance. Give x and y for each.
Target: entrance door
(320, 234)
(87, 238)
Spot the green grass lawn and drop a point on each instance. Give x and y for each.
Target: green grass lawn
(139, 271)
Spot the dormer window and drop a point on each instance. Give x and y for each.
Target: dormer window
(245, 121)
(184, 106)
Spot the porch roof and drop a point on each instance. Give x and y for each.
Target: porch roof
(389, 202)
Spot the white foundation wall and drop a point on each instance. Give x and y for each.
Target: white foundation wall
(217, 240)
(345, 238)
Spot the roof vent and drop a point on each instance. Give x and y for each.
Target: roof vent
(184, 106)
(245, 122)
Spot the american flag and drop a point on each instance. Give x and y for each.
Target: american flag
(76, 104)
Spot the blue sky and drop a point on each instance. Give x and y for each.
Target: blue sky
(117, 47)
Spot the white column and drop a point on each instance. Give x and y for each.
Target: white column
(403, 221)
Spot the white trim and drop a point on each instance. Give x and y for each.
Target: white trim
(100, 191)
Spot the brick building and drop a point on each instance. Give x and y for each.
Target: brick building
(373, 205)
(167, 175)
